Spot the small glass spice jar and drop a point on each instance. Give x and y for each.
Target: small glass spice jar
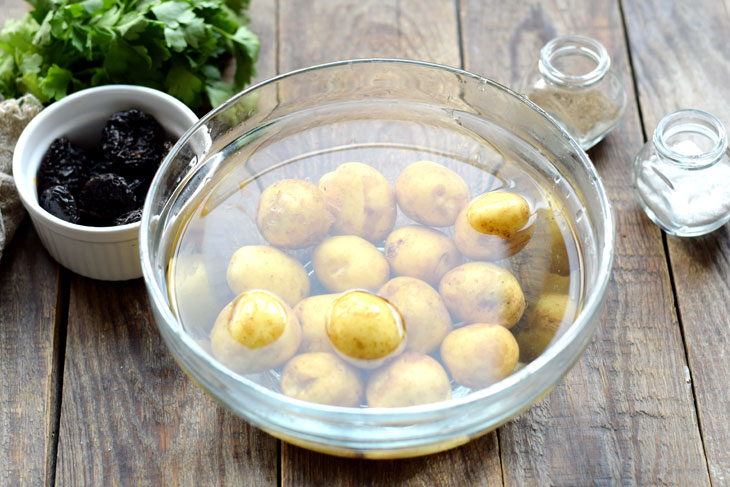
(575, 84)
(682, 175)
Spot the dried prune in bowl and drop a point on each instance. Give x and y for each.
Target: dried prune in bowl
(63, 164)
(59, 202)
(129, 217)
(133, 142)
(105, 197)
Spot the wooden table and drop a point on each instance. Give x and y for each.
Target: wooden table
(89, 394)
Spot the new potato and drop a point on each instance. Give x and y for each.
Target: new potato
(480, 354)
(312, 314)
(293, 214)
(421, 252)
(482, 246)
(365, 329)
(484, 293)
(500, 213)
(361, 200)
(348, 262)
(424, 313)
(263, 267)
(322, 378)
(551, 310)
(255, 332)
(431, 194)
(409, 380)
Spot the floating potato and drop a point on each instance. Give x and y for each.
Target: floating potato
(361, 200)
(365, 329)
(481, 246)
(421, 252)
(501, 213)
(409, 380)
(293, 214)
(479, 355)
(255, 332)
(431, 194)
(312, 314)
(551, 310)
(322, 378)
(424, 312)
(348, 262)
(263, 267)
(484, 293)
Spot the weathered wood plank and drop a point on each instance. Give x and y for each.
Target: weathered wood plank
(129, 414)
(404, 29)
(30, 293)
(625, 414)
(682, 60)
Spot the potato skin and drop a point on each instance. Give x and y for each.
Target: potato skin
(312, 315)
(255, 332)
(322, 378)
(431, 194)
(535, 335)
(424, 313)
(361, 200)
(482, 246)
(293, 214)
(365, 329)
(501, 213)
(421, 252)
(409, 380)
(480, 354)
(268, 268)
(484, 293)
(348, 262)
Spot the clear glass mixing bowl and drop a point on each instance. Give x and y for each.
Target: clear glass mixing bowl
(360, 104)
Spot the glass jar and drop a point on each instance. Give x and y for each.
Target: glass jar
(575, 84)
(682, 176)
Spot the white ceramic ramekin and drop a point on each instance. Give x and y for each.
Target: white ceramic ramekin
(107, 253)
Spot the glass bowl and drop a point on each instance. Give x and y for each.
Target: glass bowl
(360, 105)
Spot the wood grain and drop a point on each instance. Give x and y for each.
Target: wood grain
(625, 414)
(691, 70)
(129, 414)
(30, 295)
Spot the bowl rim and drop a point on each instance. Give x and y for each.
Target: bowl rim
(121, 232)
(590, 307)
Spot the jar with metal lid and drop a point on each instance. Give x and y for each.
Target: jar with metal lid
(682, 175)
(574, 83)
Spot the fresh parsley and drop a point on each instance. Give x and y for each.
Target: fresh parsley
(179, 46)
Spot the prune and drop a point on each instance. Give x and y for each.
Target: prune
(104, 197)
(63, 164)
(129, 217)
(133, 142)
(59, 202)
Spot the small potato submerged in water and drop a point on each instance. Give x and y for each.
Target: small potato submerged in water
(484, 293)
(365, 329)
(255, 332)
(535, 335)
(421, 252)
(424, 312)
(348, 262)
(263, 267)
(480, 354)
(494, 226)
(293, 214)
(312, 314)
(409, 380)
(322, 378)
(361, 200)
(431, 194)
